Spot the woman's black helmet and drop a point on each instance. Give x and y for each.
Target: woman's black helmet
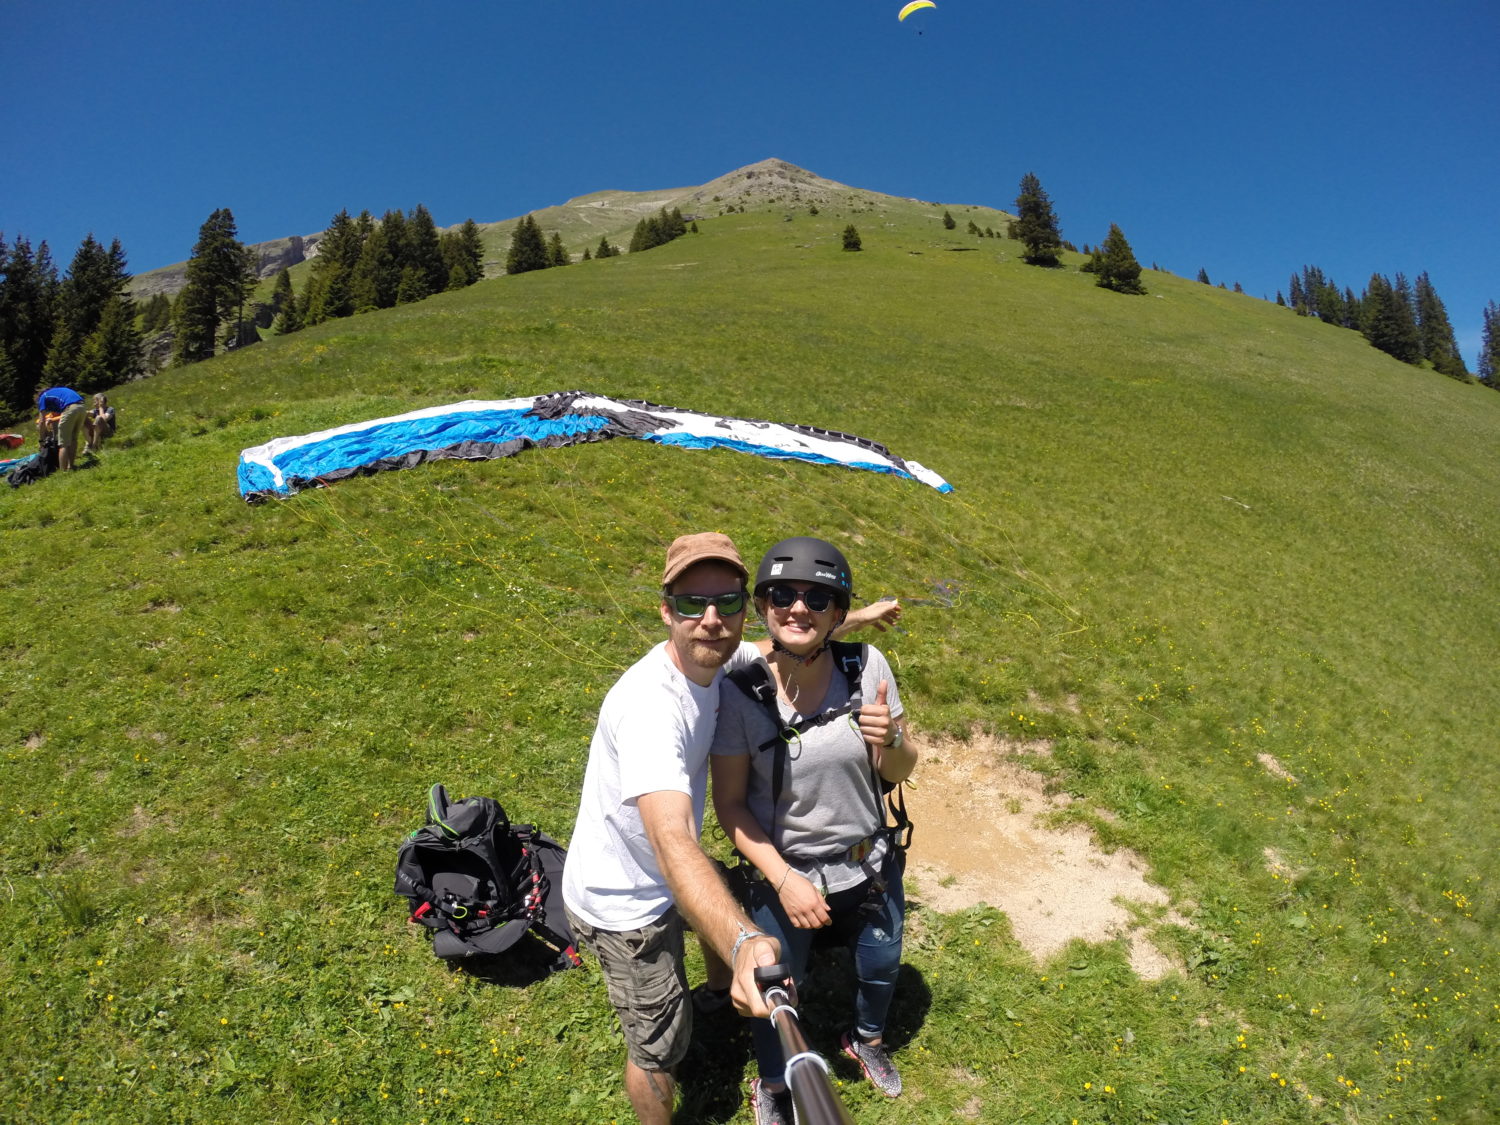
(802, 559)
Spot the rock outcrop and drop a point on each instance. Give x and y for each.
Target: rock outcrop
(271, 258)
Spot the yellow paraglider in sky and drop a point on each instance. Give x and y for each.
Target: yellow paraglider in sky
(913, 6)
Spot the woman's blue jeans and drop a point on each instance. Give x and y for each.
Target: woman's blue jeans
(874, 940)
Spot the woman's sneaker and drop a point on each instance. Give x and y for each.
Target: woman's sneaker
(875, 1062)
(769, 1108)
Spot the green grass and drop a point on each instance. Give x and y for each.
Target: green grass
(1226, 531)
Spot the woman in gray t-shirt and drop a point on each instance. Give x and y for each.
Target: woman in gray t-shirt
(800, 795)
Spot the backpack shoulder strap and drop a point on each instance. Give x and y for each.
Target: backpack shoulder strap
(755, 681)
(849, 657)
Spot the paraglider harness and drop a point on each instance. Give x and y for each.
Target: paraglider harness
(848, 657)
(481, 883)
(29, 470)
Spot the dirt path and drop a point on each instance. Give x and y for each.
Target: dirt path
(978, 839)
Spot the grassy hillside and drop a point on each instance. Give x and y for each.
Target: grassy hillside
(1192, 534)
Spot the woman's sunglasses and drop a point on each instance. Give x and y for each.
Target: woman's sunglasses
(784, 597)
(696, 605)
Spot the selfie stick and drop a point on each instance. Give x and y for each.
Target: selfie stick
(806, 1070)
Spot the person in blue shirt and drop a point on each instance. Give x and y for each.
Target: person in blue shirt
(60, 415)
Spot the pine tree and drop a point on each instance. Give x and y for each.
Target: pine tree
(28, 299)
(424, 251)
(1406, 308)
(111, 353)
(557, 253)
(657, 230)
(1118, 269)
(221, 275)
(528, 250)
(1203, 276)
(466, 252)
(949, 222)
(1489, 348)
(1387, 321)
(156, 314)
(851, 238)
(96, 277)
(1036, 224)
(375, 277)
(330, 281)
(1322, 296)
(1439, 345)
(12, 394)
(412, 286)
(641, 238)
(605, 249)
(10, 391)
(1351, 309)
(282, 293)
(288, 309)
(393, 222)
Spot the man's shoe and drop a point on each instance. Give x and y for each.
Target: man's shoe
(769, 1108)
(875, 1061)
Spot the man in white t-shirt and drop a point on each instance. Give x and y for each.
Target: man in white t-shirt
(635, 871)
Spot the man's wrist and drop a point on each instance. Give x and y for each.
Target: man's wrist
(744, 936)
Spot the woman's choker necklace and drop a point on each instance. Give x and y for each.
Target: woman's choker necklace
(791, 689)
(779, 649)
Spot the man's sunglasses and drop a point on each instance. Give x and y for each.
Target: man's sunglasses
(784, 597)
(696, 605)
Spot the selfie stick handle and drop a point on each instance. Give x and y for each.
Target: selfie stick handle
(806, 1070)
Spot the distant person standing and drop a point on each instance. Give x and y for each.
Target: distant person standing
(59, 416)
(98, 424)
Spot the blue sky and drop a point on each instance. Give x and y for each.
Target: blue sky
(1248, 139)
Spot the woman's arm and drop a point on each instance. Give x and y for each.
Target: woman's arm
(803, 903)
(892, 755)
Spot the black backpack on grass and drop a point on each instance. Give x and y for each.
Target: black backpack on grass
(481, 883)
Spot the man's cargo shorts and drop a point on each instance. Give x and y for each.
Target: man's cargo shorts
(647, 984)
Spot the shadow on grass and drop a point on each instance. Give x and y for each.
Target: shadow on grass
(527, 962)
(712, 1079)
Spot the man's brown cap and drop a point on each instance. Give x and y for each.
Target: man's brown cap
(701, 547)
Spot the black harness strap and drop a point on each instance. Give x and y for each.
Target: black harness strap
(756, 682)
(849, 657)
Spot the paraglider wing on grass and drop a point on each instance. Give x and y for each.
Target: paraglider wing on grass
(481, 431)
